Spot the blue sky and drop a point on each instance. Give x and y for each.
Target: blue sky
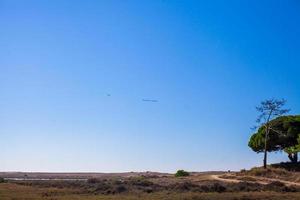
(208, 63)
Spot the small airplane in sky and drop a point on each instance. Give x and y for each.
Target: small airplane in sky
(150, 100)
(145, 100)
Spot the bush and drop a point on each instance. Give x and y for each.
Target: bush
(247, 179)
(181, 173)
(295, 167)
(270, 172)
(140, 181)
(218, 188)
(120, 189)
(2, 180)
(93, 180)
(182, 187)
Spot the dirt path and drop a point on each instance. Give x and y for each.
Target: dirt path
(262, 181)
(227, 180)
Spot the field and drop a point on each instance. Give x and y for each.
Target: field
(9, 191)
(147, 186)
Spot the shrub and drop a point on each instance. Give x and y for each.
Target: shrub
(183, 187)
(270, 172)
(93, 180)
(120, 189)
(218, 188)
(276, 186)
(2, 180)
(140, 181)
(247, 178)
(181, 173)
(288, 166)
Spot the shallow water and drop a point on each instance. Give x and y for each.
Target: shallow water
(45, 179)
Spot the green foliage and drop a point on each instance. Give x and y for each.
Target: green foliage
(294, 149)
(181, 173)
(284, 135)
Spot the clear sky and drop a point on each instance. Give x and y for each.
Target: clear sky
(73, 75)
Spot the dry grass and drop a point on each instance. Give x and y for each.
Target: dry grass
(272, 172)
(10, 191)
(197, 186)
(137, 185)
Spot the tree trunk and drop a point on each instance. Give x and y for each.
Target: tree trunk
(265, 150)
(293, 157)
(265, 159)
(290, 155)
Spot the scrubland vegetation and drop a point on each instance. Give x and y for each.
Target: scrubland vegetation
(195, 186)
(9, 191)
(285, 173)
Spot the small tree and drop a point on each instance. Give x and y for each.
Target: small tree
(268, 110)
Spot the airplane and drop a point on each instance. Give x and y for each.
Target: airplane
(150, 100)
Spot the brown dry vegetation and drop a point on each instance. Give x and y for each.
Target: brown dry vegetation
(272, 173)
(197, 186)
(11, 191)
